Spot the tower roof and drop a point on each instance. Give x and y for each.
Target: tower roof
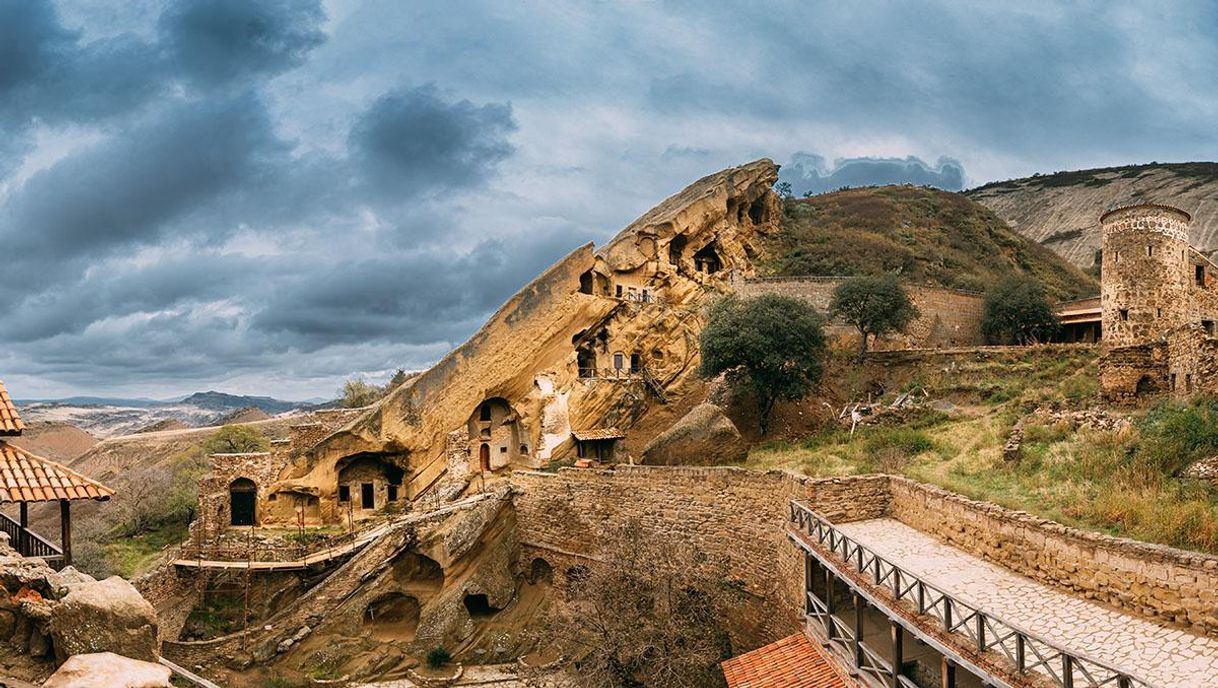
(1149, 206)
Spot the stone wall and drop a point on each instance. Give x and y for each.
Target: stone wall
(1152, 581)
(736, 517)
(1129, 371)
(949, 317)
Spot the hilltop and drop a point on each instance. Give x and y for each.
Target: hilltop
(927, 236)
(1062, 210)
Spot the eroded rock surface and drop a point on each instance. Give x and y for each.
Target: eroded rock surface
(705, 437)
(104, 616)
(108, 670)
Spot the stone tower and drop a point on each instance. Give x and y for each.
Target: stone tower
(1147, 273)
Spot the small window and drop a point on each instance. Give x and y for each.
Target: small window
(1124, 314)
(484, 413)
(1150, 251)
(344, 493)
(1118, 256)
(619, 361)
(1188, 382)
(1158, 312)
(272, 497)
(1209, 327)
(502, 450)
(1173, 380)
(391, 492)
(619, 291)
(1199, 275)
(524, 449)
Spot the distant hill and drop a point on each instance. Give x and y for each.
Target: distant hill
(927, 236)
(249, 414)
(1062, 210)
(219, 401)
(56, 441)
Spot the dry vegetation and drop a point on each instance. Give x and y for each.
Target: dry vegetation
(1123, 482)
(927, 236)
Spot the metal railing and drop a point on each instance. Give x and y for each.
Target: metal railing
(980, 629)
(28, 543)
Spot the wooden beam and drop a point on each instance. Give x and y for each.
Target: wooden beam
(23, 534)
(65, 530)
(949, 673)
(898, 653)
(858, 630)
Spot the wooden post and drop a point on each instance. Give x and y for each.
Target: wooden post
(65, 530)
(830, 606)
(23, 535)
(898, 653)
(858, 630)
(948, 672)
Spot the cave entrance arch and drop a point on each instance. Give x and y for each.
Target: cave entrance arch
(242, 496)
(707, 259)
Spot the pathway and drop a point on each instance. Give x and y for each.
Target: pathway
(1166, 656)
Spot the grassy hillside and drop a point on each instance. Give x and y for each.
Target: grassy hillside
(1197, 173)
(1122, 479)
(926, 235)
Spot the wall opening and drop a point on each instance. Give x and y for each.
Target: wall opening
(619, 361)
(707, 259)
(479, 606)
(393, 616)
(540, 571)
(1124, 313)
(636, 361)
(676, 249)
(586, 360)
(242, 496)
(1146, 385)
(1199, 275)
(585, 283)
(418, 570)
(484, 456)
(757, 211)
(367, 496)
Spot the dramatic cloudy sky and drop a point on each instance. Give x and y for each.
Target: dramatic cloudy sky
(268, 197)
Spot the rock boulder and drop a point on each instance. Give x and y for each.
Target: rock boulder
(703, 437)
(104, 616)
(108, 670)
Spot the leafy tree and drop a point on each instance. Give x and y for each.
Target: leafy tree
(874, 305)
(1017, 310)
(784, 190)
(236, 439)
(770, 345)
(356, 393)
(399, 376)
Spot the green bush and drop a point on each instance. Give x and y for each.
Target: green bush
(438, 657)
(1173, 435)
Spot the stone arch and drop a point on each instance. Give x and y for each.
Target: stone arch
(418, 570)
(540, 571)
(393, 616)
(676, 249)
(242, 502)
(479, 605)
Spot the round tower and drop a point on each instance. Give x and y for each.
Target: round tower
(1146, 273)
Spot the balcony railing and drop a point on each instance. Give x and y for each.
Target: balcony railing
(30, 544)
(979, 629)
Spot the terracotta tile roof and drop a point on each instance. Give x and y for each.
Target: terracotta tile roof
(10, 422)
(28, 478)
(792, 662)
(598, 434)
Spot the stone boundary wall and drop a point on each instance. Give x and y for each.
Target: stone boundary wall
(949, 317)
(737, 517)
(1160, 583)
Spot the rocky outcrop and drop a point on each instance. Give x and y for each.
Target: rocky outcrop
(1062, 210)
(108, 670)
(104, 616)
(703, 437)
(632, 306)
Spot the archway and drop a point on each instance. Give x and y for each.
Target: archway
(242, 497)
(707, 259)
(393, 616)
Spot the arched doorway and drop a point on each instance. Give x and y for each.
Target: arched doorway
(242, 494)
(484, 456)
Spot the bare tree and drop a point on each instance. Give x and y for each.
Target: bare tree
(651, 613)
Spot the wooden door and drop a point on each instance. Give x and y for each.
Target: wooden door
(484, 456)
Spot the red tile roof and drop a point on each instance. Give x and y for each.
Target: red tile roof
(10, 422)
(25, 477)
(598, 434)
(793, 662)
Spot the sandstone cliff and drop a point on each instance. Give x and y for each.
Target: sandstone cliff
(590, 344)
(1062, 210)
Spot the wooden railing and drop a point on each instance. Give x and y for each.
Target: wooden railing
(980, 629)
(262, 552)
(30, 544)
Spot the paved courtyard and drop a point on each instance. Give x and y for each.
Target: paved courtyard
(1165, 656)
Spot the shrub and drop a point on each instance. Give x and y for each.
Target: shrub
(1173, 435)
(236, 439)
(889, 449)
(1017, 311)
(438, 657)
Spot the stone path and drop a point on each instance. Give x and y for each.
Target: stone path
(1165, 656)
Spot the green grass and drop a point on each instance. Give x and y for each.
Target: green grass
(1124, 482)
(131, 556)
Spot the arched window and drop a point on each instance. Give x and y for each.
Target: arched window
(242, 494)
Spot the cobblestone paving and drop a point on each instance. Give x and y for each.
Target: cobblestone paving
(1165, 656)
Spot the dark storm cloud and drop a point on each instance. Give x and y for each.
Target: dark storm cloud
(220, 41)
(809, 173)
(128, 190)
(413, 140)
